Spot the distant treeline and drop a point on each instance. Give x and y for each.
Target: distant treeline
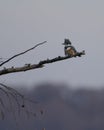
(62, 108)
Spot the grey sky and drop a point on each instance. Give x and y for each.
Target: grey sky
(23, 23)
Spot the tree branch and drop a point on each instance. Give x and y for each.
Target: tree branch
(22, 53)
(11, 98)
(41, 64)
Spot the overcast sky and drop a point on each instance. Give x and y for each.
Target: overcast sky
(24, 23)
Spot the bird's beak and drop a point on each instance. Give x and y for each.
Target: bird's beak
(63, 43)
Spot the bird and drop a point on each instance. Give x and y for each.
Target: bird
(69, 49)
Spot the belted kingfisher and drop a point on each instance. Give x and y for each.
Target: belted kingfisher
(69, 49)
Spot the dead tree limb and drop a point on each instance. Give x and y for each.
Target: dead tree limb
(41, 64)
(22, 53)
(10, 93)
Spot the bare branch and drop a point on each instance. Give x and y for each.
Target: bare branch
(41, 64)
(13, 97)
(22, 53)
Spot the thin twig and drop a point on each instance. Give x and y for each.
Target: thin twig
(22, 53)
(39, 65)
(8, 90)
(17, 99)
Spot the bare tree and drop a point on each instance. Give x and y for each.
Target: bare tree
(18, 98)
(30, 66)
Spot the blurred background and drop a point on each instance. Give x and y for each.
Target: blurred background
(23, 24)
(56, 106)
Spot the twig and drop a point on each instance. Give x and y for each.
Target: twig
(22, 53)
(14, 98)
(39, 65)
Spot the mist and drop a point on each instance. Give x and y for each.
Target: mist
(58, 106)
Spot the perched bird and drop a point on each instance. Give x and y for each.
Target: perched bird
(69, 49)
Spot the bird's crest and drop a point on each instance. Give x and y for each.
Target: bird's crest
(66, 42)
